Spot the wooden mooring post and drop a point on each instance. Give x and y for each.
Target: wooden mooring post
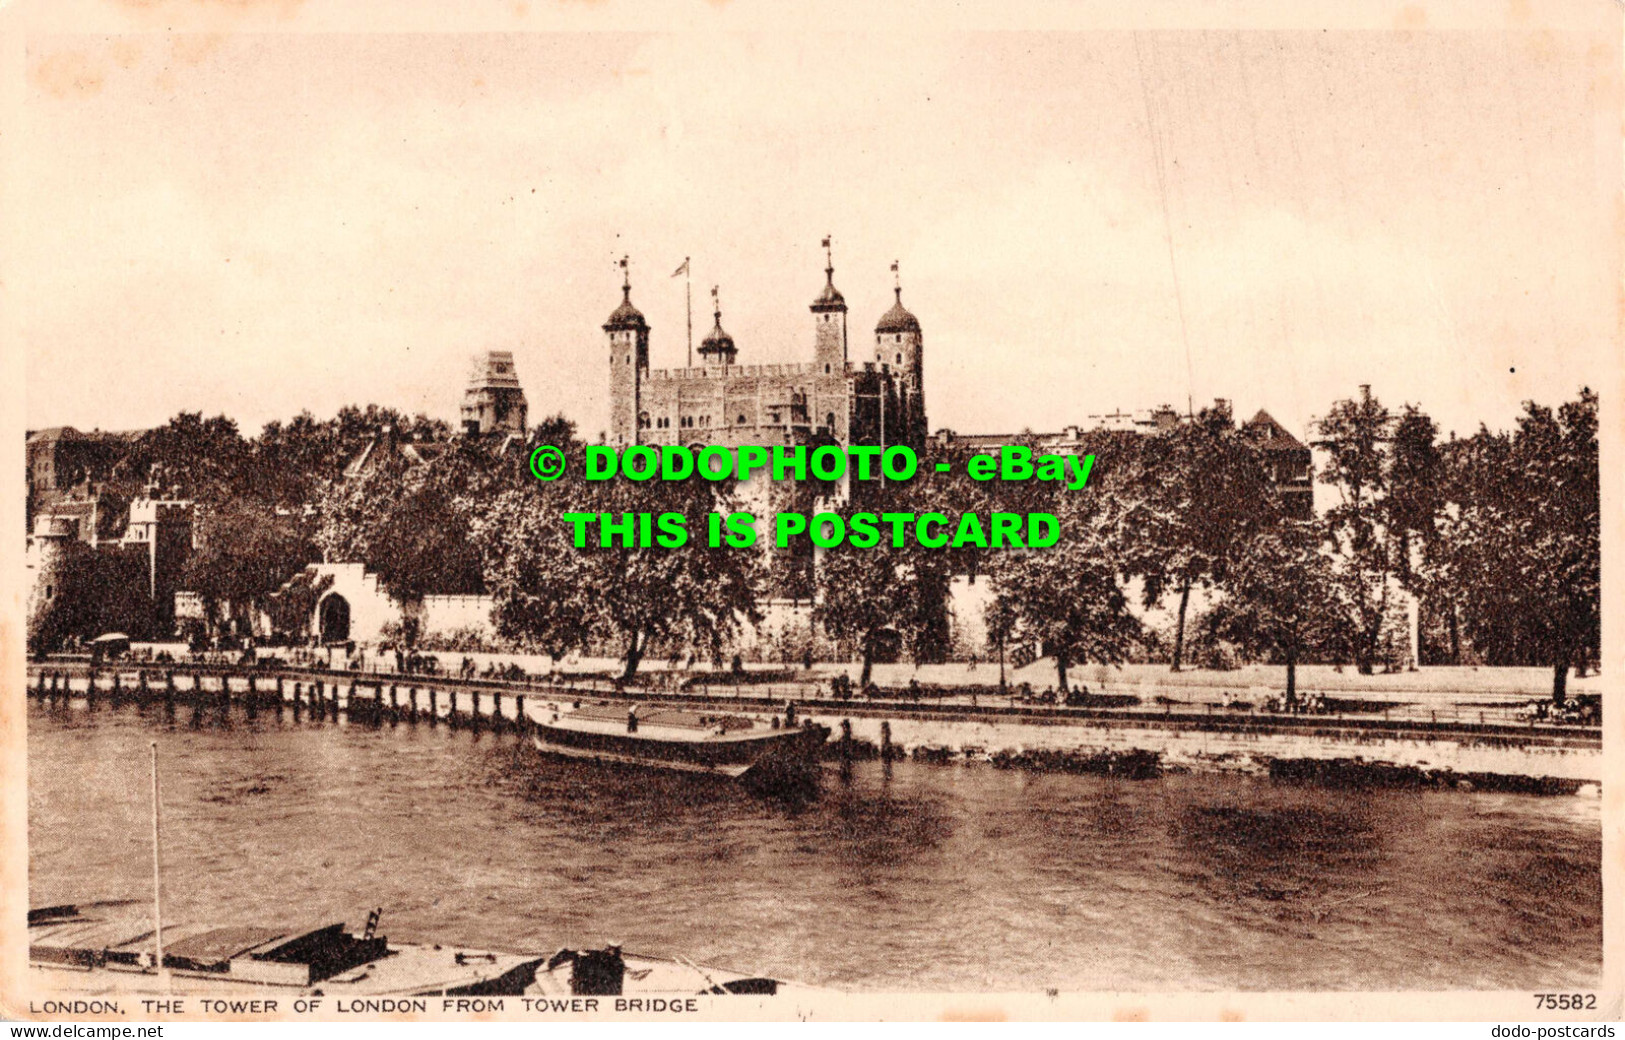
(434, 709)
(519, 713)
(412, 702)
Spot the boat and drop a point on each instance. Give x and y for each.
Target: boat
(119, 946)
(107, 949)
(724, 746)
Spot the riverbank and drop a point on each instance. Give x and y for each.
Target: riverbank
(1332, 754)
(1434, 752)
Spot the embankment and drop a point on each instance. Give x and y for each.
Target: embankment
(1332, 754)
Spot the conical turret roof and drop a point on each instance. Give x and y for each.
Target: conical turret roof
(898, 319)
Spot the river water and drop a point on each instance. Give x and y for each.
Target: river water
(921, 877)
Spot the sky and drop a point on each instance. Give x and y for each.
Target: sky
(259, 224)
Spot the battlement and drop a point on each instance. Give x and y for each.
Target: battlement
(732, 371)
(158, 511)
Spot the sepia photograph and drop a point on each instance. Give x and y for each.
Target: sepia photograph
(718, 511)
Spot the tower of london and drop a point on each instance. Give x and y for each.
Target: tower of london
(875, 398)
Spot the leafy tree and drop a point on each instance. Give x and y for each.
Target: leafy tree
(1526, 539)
(1355, 435)
(91, 593)
(1200, 490)
(409, 524)
(1001, 625)
(862, 594)
(1069, 596)
(1279, 598)
(552, 593)
(245, 550)
(1415, 507)
(196, 458)
(291, 461)
(555, 430)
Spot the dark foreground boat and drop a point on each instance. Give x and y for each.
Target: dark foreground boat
(107, 948)
(730, 747)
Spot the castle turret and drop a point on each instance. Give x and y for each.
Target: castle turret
(830, 408)
(717, 348)
(628, 343)
(898, 349)
(52, 542)
(829, 323)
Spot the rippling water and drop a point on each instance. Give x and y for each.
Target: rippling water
(931, 877)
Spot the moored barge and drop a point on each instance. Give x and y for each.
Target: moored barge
(107, 949)
(723, 746)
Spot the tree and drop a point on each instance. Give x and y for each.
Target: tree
(409, 524)
(1355, 435)
(1069, 596)
(1280, 591)
(1415, 506)
(1200, 489)
(1001, 624)
(196, 458)
(551, 592)
(245, 551)
(862, 593)
(1525, 539)
(91, 592)
(292, 461)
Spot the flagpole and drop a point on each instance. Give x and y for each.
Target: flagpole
(688, 295)
(157, 884)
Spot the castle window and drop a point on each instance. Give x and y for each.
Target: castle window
(826, 370)
(629, 359)
(899, 359)
(899, 337)
(741, 418)
(829, 420)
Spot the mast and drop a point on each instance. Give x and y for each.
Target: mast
(157, 874)
(688, 296)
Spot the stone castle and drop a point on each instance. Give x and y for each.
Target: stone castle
(877, 399)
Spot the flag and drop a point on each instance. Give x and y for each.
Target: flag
(826, 241)
(894, 267)
(681, 270)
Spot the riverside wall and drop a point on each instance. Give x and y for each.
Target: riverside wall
(1559, 758)
(1252, 750)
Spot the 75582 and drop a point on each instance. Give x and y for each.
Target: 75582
(1566, 1001)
